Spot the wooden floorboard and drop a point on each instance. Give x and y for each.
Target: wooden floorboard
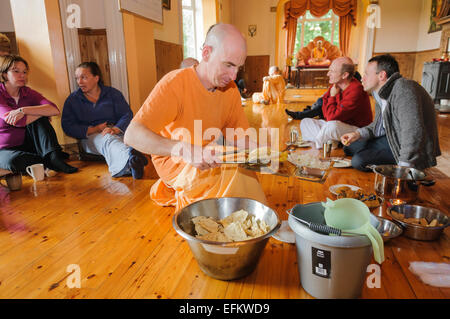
(126, 247)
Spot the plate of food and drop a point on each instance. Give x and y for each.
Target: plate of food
(310, 167)
(340, 188)
(351, 191)
(342, 162)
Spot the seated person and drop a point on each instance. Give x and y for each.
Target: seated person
(273, 88)
(404, 131)
(319, 55)
(166, 126)
(188, 62)
(314, 110)
(26, 135)
(99, 115)
(345, 108)
(310, 111)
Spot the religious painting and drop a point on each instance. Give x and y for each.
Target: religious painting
(436, 6)
(166, 4)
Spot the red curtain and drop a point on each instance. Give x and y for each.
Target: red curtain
(345, 9)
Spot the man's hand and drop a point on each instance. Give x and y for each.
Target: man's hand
(334, 90)
(111, 130)
(199, 157)
(349, 138)
(96, 129)
(12, 117)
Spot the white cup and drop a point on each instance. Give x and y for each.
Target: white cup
(445, 102)
(36, 171)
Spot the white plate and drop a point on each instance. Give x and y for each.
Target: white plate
(333, 188)
(342, 163)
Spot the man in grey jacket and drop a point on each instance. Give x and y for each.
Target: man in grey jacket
(404, 131)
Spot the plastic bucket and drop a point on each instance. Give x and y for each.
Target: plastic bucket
(330, 266)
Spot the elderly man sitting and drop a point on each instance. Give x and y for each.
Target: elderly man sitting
(273, 88)
(346, 106)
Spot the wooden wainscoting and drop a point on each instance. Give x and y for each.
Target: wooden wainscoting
(256, 67)
(411, 63)
(94, 47)
(168, 57)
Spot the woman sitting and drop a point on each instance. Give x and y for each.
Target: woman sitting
(99, 115)
(273, 88)
(26, 135)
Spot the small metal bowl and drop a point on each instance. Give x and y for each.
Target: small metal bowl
(388, 229)
(419, 232)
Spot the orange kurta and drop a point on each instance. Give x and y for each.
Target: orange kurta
(273, 90)
(179, 102)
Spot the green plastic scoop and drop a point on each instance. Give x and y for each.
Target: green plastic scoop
(353, 216)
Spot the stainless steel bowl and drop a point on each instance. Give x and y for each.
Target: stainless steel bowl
(388, 229)
(225, 261)
(416, 231)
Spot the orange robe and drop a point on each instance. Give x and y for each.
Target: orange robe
(318, 57)
(180, 101)
(273, 90)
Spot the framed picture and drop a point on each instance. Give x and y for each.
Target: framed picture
(166, 4)
(435, 9)
(150, 9)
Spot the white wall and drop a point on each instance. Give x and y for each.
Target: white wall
(93, 14)
(404, 27)
(6, 21)
(425, 40)
(171, 29)
(256, 12)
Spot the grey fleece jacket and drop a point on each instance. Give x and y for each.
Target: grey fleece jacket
(409, 121)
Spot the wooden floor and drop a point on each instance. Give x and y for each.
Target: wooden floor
(125, 245)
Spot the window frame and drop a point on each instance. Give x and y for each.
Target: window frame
(198, 28)
(302, 20)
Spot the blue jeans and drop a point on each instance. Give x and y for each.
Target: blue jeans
(115, 152)
(375, 151)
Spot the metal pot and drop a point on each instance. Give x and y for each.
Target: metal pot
(399, 182)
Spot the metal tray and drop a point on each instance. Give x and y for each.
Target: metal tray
(288, 169)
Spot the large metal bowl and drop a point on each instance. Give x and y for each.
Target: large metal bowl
(225, 261)
(416, 231)
(388, 229)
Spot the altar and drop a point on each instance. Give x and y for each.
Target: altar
(309, 77)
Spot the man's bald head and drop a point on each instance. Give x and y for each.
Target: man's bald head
(223, 53)
(345, 64)
(221, 34)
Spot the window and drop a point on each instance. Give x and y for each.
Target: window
(309, 27)
(192, 28)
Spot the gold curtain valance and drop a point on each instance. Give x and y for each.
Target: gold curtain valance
(296, 8)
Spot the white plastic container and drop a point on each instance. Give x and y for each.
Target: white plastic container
(330, 266)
